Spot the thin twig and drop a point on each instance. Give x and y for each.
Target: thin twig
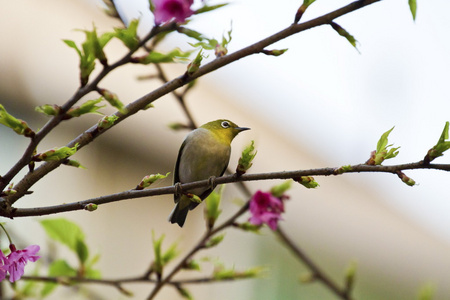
(179, 97)
(317, 273)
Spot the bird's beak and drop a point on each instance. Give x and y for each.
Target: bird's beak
(242, 128)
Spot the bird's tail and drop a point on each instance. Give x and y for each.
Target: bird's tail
(178, 214)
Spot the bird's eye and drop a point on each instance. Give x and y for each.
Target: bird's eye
(225, 124)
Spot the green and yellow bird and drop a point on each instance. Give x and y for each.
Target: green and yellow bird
(204, 153)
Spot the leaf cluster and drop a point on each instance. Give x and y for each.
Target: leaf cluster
(383, 150)
(69, 234)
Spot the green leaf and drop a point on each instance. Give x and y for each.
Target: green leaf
(91, 207)
(247, 226)
(81, 250)
(383, 141)
(96, 47)
(89, 107)
(157, 263)
(87, 59)
(413, 8)
(58, 268)
(192, 265)
(246, 159)
(214, 241)
(64, 231)
(405, 179)
(301, 10)
(280, 189)
(72, 44)
(345, 34)
(90, 263)
(128, 36)
(19, 126)
(191, 33)
(275, 52)
(194, 198)
(212, 207)
(175, 55)
(441, 146)
(92, 274)
(184, 293)
(308, 2)
(221, 273)
(343, 169)
(73, 163)
(113, 100)
(169, 254)
(207, 8)
(207, 44)
(56, 154)
(307, 181)
(220, 49)
(382, 152)
(195, 64)
(150, 179)
(161, 259)
(106, 122)
(48, 109)
(111, 9)
(350, 274)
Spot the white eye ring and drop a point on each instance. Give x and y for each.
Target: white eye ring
(225, 124)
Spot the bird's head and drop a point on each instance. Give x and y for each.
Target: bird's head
(224, 130)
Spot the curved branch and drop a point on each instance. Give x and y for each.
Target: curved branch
(132, 194)
(93, 132)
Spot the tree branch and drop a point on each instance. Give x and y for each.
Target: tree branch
(132, 194)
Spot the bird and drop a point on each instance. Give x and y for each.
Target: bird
(204, 154)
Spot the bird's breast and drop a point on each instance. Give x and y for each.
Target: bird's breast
(203, 156)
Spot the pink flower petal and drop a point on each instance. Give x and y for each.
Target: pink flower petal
(265, 208)
(166, 10)
(17, 260)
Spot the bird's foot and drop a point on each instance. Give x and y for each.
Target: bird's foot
(212, 182)
(178, 189)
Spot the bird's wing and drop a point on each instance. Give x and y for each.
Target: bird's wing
(176, 176)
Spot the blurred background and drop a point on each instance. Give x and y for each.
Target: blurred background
(321, 104)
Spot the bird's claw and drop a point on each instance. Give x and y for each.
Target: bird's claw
(212, 182)
(178, 189)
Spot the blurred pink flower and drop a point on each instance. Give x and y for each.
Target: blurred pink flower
(3, 266)
(265, 208)
(17, 260)
(166, 10)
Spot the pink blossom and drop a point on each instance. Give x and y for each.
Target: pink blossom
(265, 208)
(17, 260)
(3, 266)
(166, 10)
